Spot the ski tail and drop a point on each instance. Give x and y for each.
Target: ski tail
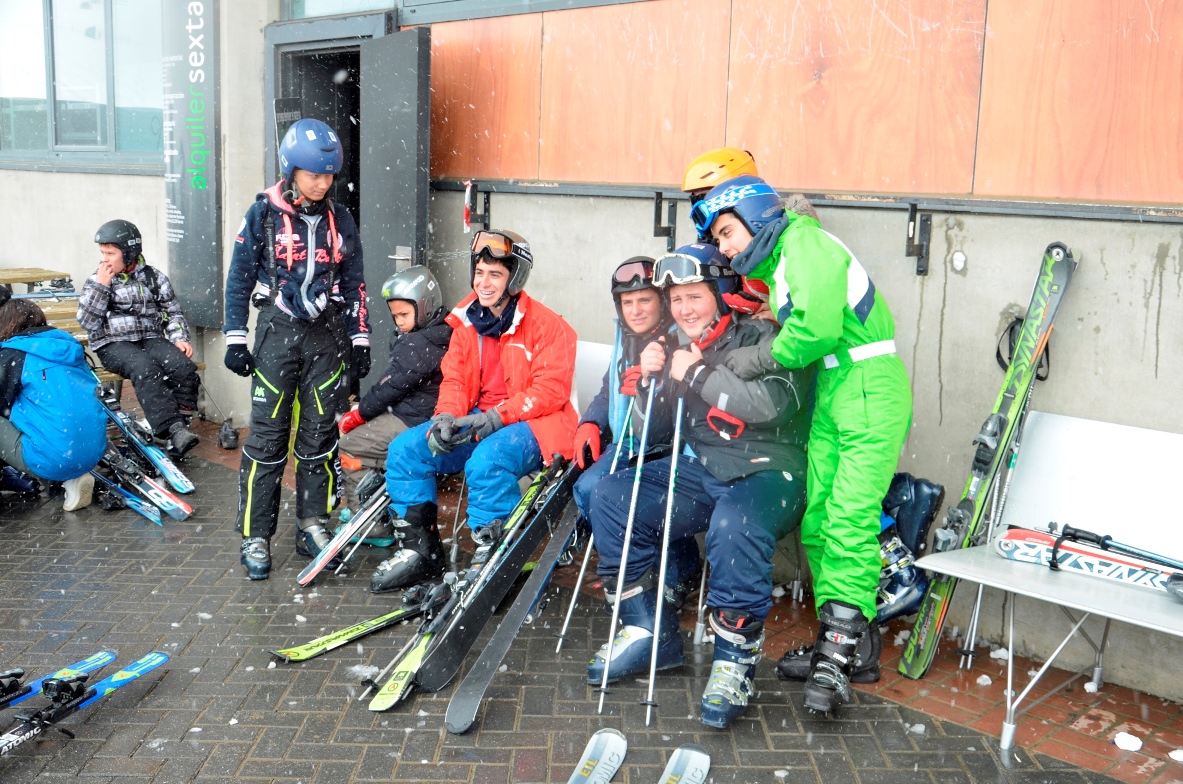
(151, 489)
(329, 642)
(88, 665)
(125, 676)
(376, 505)
(995, 438)
(689, 764)
(150, 452)
(133, 501)
(602, 757)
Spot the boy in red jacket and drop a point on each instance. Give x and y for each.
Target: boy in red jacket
(504, 409)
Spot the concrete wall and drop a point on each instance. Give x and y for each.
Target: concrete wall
(1113, 351)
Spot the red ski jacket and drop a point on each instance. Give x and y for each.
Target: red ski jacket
(538, 355)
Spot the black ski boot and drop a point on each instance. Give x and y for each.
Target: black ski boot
(312, 536)
(632, 646)
(842, 626)
(181, 440)
(486, 538)
(738, 640)
(796, 664)
(256, 557)
(420, 556)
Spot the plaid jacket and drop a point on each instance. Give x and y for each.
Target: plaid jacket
(134, 307)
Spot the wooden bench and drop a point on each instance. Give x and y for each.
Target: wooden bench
(1057, 478)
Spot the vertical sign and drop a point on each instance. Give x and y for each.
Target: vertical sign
(191, 157)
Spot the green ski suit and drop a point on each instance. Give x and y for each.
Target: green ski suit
(831, 313)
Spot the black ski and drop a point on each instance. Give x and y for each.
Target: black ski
(443, 662)
(466, 700)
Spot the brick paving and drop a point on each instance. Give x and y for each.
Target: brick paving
(223, 710)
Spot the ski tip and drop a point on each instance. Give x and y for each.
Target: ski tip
(280, 655)
(458, 726)
(694, 747)
(610, 731)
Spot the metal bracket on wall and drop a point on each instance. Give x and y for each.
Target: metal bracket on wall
(475, 218)
(919, 236)
(669, 229)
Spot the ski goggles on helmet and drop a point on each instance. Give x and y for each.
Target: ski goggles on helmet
(703, 213)
(633, 273)
(676, 269)
(499, 246)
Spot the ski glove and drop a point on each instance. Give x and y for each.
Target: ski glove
(350, 421)
(441, 435)
(750, 362)
(359, 362)
(588, 444)
(628, 382)
(239, 360)
(482, 425)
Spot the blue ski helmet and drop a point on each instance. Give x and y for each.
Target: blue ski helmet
(695, 263)
(310, 145)
(754, 202)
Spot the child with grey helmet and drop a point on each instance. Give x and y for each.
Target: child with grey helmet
(404, 396)
(298, 259)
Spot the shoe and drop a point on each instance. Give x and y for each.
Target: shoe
(632, 647)
(381, 535)
(256, 557)
(842, 627)
(181, 440)
(486, 538)
(14, 481)
(420, 556)
(79, 492)
(796, 664)
(738, 640)
(312, 536)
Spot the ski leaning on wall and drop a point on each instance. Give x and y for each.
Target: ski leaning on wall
(993, 442)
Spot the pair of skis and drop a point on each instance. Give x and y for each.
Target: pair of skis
(998, 438)
(67, 692)
(462, 605)
(605, 752)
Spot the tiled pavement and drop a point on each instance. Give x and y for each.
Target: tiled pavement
(221, 710)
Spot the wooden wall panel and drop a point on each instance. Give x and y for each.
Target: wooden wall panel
(1081, 100)
(484, 103)
(846, 95)
(631, 93)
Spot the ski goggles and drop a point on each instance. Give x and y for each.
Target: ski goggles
(498, 246)
(703, 213)
(676, 269)
(632, 273)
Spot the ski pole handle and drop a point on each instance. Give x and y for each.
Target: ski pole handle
(1088, 537)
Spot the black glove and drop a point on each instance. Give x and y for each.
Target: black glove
(750, 362)
(239, 360)
(359, 362)
(441, 436)
(481, 425)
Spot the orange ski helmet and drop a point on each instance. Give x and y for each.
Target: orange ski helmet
(715, 167)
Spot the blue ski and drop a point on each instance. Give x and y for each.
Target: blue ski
(87, 665)
(128, 471)
(128, 674)
(152, 453)
(133, 501)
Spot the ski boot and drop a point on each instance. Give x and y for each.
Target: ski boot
(180, 440)
(79, 492)
(901, 583)
(842, 626)
(256, 557)
(312, 536)
(739, 638)
(420, 556)
(486, 538)
(796, 664)
(633, 644)
(13, 481)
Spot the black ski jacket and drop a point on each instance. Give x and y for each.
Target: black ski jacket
(410, 386)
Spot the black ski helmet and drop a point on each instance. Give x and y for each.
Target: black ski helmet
(123, 234)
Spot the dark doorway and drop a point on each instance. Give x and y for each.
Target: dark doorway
(326, 85)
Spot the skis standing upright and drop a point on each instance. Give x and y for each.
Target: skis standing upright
(962, 521)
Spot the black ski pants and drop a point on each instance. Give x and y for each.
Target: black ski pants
(165, 380)
(298, 363)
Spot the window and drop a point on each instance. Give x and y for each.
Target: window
(303, 9)
(81, 84)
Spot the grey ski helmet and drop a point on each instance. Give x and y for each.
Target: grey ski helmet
(419, 287)
(507, 247)
(125, 235)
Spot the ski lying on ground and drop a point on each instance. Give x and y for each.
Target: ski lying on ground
(70, 694)
(152, 453)
(446, 634)
(415, 603)
(130, 474)
(689, 764)
(376, 505)
(962, 521)
(1036, 547)
(88, 665)
(602, 757)
(129, 500)
(462, 708)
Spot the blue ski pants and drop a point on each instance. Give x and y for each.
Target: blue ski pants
(491, 467)
(743, 520)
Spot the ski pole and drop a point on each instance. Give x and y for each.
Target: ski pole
(455, 555)
(628, 535)
(700, 626)
(591, 540)
(665, 557)
(1107, 543)
(227, 435)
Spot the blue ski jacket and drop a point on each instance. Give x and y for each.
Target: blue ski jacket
(48, 393)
